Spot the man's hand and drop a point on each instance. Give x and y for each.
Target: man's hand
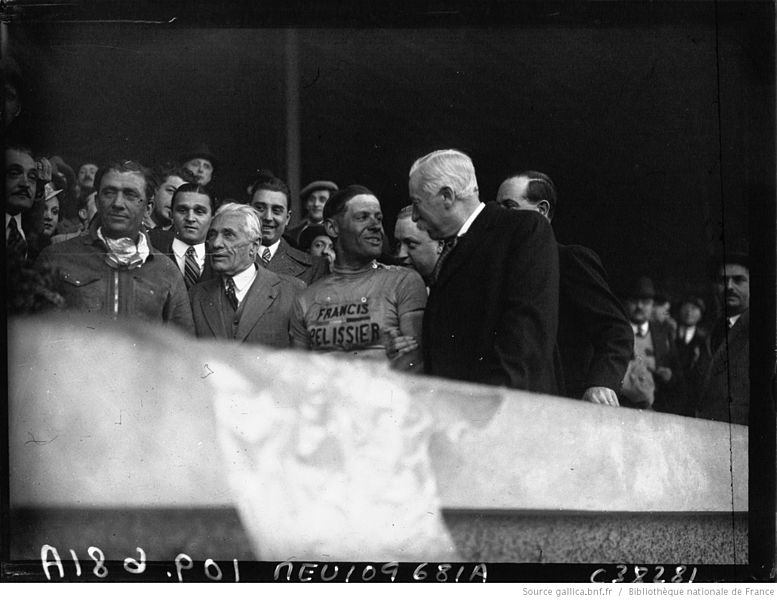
(601, 395)
(44, 170)
(398, 345)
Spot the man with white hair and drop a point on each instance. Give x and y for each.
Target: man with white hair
(492, 312)
(245, 302)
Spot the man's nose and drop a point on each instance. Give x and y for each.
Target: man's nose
(402, 252)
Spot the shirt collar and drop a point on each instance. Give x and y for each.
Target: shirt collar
(468, 223)
(733, 319)
(180, 247)
(640, 330)
(273, 249)
(245, 278)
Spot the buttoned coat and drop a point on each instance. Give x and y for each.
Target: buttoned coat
(492, 315)
(265, 311)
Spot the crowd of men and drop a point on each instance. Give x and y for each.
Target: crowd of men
(474, 289)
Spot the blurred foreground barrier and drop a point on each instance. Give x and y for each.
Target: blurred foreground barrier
(324, 458)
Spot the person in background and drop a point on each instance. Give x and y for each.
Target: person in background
(87, 209)
(692, 349)
(314, 197)
(21, 188)
(415, 249)
(316, 242)
(41, 221)
(726, 389)
(193, 207)
(201, 163)
(270, 197)
(85, 177)
(168, 177)
(662, 313)
(595, 341)
(244, 302)
(492, 314)
(363, 304)
(653, 342)
(113, 270)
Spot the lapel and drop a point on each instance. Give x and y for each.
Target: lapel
(212, 307)
(262, 293)
(467, 244)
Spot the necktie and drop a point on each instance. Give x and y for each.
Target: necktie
(266, 256)
(191, 270)
(448, 246)
(229, 289)
(15, 241)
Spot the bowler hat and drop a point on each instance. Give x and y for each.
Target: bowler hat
(642, 288)
(201, 151)
(318, 185)
(736, 251)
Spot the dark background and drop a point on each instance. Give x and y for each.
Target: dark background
(655, 120)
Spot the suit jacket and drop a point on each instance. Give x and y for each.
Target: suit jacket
(594, 336)
(299, 264)
(726, 384)
(492, 315)
(265, 310)
(162, 240)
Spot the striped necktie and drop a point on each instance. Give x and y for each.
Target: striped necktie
(229, 289)
(266, 256)
(448, 246)
(191, 270)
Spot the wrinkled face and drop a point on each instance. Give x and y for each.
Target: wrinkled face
(415, 248)
(512, 194)
(50, 216)
(122, 203)
(86, 175)
(273, 208)
(360, 228)
(429, 212)
(191, 217)
(201, 168)
(21, 181)
(322, 245)
(639, 309)
(163, 196)
(314, 204)
(690, 314)
(734, 286)
(230, 248)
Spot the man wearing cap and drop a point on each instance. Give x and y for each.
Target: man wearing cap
(692, 349)
(726, 388)
(201, 162)
(244, 302)
(113, 270)
(653, 343)
(270, 197)
(595, 341)
(314, 197)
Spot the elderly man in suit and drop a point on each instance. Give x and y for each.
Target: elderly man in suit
(726, 388)
(492, 314)
(270, 197)
(192, 208)
(594, 338)
(245, 302)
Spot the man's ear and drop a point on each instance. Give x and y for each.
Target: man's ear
(448, 196)
(83, 214)
(330, 225)
(149, 208)
(544, 207)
